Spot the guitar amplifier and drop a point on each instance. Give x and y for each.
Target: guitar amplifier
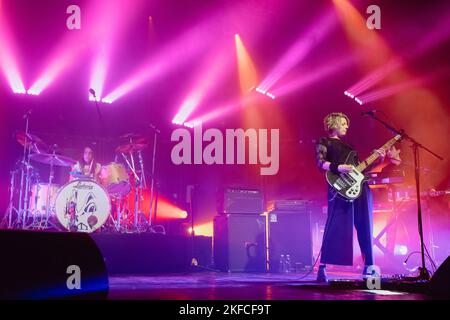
(288, 205)
(289, 233)
(239, 243)
(240, 201)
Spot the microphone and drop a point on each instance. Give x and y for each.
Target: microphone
(92, 91)
(369, 113)
(27, 114)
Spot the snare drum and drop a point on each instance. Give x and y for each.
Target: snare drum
(38, 198)
(82, 205)
(115, 179)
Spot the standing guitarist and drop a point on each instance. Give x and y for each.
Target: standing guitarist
(337, 244)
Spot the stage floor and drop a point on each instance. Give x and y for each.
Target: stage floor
(240, 286)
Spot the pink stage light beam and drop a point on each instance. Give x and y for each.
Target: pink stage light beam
(308, 79)
(300, 50)
(208, 79)
(433, 38)
(391, 90)
(74, 45)
(115, 16)
(8, 62)
(190, 44)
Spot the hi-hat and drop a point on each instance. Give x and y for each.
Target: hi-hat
(32, 141)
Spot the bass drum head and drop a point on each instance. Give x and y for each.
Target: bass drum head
(82, 205)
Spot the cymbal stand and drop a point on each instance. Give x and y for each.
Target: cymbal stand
(152, 183)
(8, 216)
(141, 164)
(117, 222)
(137, 194)
(51, 176)
(141, 185)
(24, 177)
(136, 197)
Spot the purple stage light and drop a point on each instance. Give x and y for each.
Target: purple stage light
(306, 79)
(116, 16)
(190, 43)
(8, 61)
(299, 51)
(100, 16)
(209, 77)
(396, 88)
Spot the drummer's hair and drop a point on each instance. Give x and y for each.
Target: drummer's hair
(83, 163)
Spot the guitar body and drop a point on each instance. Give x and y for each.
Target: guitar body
(347, 185)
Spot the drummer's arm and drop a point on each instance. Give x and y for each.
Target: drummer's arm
(98, 169)
(73, 169)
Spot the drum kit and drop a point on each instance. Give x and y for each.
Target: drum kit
(109, 201)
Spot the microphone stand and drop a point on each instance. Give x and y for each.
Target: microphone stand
(100, 119)
(424, 274)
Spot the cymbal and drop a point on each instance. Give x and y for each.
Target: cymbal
(55, 159)
(132, 147)
(36, 144)
(132, 136)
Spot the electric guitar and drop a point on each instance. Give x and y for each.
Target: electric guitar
(348, 185)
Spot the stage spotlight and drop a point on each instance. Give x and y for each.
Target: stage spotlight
(205, 229)
(400, 250)
(266, 93)
(32, 92)
(259, 90)
(358, 100)
(270, 95)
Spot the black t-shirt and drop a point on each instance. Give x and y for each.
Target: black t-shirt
(333, 150)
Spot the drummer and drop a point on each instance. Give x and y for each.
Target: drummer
(87, 167)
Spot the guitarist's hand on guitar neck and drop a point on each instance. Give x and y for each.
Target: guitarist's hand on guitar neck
(345, 168)
(382, 153)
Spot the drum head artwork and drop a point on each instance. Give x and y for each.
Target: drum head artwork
(82, 205)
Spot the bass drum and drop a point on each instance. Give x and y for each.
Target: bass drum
(82, 206)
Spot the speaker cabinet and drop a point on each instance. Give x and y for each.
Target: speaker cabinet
(51, 265)
(440, 282)
(239, 243)
(290, 234)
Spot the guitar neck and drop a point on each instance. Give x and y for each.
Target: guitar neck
(374, 156)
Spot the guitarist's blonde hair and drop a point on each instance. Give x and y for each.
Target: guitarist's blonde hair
(330, 122)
